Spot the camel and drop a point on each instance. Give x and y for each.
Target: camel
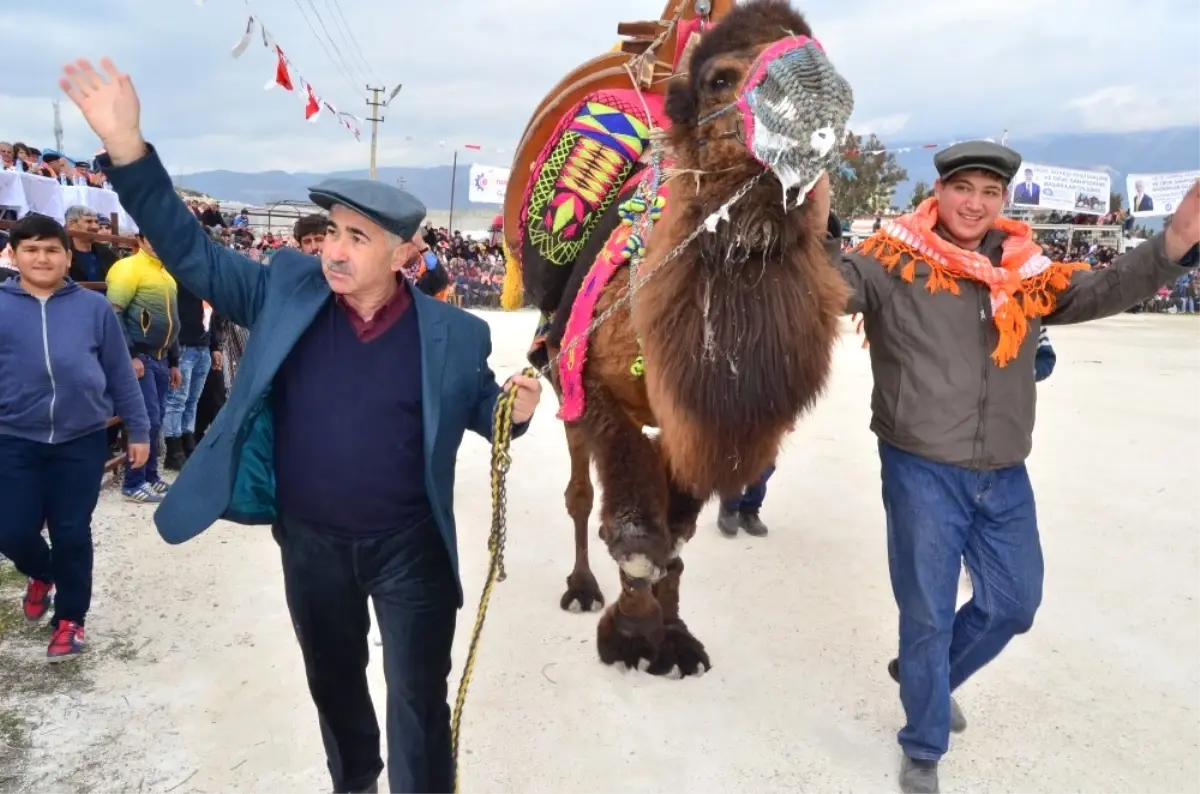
(721, 347)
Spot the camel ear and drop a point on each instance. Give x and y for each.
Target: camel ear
(681, 102)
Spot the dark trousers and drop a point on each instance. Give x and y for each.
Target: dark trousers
(407, 574)
(937, 515)
(751, 501)
(52, 485)
(212, 399)
(155, 383)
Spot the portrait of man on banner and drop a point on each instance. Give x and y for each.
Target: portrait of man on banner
(1027, 192)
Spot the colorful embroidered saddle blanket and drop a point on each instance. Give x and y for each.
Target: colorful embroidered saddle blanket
(583, 168)
(627, 242)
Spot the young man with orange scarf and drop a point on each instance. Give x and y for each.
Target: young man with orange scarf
(953, 297)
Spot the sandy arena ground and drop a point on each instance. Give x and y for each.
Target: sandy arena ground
(194, 683)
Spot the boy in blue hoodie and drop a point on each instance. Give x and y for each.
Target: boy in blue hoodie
(64, 371)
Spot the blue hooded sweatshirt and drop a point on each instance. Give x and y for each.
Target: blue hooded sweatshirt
(64, 366)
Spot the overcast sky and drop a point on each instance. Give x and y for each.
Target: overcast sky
(472, 70)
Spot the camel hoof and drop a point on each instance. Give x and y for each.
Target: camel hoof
(631, 642)
(583, 593)
(671, 652)
(680, 655)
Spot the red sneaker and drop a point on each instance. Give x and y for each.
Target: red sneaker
(67, 641)
(37, 600)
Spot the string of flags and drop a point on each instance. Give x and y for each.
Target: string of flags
(289, 79)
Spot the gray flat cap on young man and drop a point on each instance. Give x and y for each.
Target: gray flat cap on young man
(978, 155)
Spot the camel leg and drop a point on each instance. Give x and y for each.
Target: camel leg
(680, 654)
(633, 517)
(583, 593)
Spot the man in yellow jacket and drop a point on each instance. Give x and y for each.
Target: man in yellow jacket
(146, 300)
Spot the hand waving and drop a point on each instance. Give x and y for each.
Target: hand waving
(110, 105)
(1184, 231)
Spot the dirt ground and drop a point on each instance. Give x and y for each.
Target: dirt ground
(193, 682)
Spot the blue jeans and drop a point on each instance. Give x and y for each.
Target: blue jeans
(937, 514)
(56, 486)
(752, 499)
(154, 383)
(180, 414)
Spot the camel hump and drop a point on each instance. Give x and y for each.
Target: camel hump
(584, 141)
(586, 163)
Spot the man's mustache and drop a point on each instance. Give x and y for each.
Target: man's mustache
(337, 266)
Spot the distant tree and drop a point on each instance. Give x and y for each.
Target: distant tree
(1114, 201)
(921, 191)
(863, 181)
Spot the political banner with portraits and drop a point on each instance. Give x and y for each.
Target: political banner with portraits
(1053, 188)
(1158, 194)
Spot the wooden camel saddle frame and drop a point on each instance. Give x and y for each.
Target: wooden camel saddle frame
(648, 56)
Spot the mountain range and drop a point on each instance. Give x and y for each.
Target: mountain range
(1172, 149)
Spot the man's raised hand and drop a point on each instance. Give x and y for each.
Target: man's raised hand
(110, 105)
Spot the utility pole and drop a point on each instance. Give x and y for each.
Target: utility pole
(453, 176)
(58, 128)
(376, 117)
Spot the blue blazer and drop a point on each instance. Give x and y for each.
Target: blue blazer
(231, 474)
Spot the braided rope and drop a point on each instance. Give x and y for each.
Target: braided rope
(502, 424)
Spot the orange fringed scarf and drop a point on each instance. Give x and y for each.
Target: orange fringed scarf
(1026, 285)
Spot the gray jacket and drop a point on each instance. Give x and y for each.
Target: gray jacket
(937, 392)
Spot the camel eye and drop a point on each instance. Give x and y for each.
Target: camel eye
(722, 80)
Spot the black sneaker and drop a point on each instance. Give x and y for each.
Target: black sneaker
(753, 524)
(729, 521)
(918, 776)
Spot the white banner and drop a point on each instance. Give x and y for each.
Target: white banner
(1049, 187)
(488, 184)
(1158, 194)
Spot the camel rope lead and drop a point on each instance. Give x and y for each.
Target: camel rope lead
(502, 423)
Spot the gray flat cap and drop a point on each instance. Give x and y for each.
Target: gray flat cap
(397, 211)
(983, 155)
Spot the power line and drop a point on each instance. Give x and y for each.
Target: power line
(355, 48)
(337, 51)
(340, 67)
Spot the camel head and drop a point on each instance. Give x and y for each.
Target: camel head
(759, 93)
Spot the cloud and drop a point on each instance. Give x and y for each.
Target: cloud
(883, 126)
(474, 71)
(1124, 108)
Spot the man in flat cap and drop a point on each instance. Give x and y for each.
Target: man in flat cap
(341, 432)
(954, 296)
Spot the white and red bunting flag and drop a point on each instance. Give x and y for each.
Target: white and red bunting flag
(283, 77)
(312, 108)
(244, 41)
(287, 77)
